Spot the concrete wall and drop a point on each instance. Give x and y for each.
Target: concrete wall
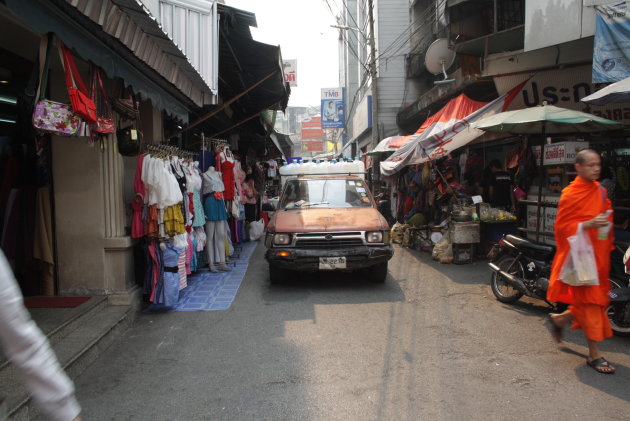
(392, 19)
(95, 252)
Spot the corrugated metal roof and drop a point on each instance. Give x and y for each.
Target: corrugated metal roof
(131, 23)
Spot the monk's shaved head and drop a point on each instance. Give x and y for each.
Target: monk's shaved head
(588, 164)
(580, 157)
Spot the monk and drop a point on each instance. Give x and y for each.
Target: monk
(585, 201)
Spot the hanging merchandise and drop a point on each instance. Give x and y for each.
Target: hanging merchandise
(81, 103)
(127, 107)
(167, 182)
(104, 120)
(129, 141)
(50, 116)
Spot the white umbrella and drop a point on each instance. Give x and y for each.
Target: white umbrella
(615, 92)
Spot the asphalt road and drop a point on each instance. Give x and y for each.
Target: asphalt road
(432, 343)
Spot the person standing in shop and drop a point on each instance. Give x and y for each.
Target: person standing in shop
(28, 349)
(501, 188)
(584, 201)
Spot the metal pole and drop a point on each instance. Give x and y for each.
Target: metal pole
(375, 140)
(542, 178)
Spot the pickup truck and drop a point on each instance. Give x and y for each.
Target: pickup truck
(327, 223)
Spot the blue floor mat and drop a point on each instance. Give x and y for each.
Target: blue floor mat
(216, 291)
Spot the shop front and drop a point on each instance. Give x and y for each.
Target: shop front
(65, 221)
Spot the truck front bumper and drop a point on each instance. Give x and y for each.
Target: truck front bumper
(308, 259)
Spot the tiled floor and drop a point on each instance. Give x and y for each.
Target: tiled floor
(215, 291)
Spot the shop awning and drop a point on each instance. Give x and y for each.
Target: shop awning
(386, 145)
(122, 38)
(445, 131)
(251, 79)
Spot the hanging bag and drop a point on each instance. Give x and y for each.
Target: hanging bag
(580, 267)
(81, 102)
(104, 118)
(50, 116)
(127, 108)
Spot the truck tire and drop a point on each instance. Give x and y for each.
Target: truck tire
(377, 273)
(277, 275)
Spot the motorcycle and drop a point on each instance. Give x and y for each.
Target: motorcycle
(522, 267)
(384, 208)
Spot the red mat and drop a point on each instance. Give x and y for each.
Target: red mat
(54, 302)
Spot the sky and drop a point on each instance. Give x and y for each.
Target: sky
(302, 29)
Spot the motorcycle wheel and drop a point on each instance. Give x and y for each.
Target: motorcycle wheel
(619, 315)
(503, 291)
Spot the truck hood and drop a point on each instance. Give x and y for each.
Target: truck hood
(320, 220)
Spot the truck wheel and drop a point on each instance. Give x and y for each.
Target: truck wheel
(377, 273)
(277, 275)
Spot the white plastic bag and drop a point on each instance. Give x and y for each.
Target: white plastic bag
(256, 229)
(582, 260)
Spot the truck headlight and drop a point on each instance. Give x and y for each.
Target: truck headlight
(374, 237)
(281, 239)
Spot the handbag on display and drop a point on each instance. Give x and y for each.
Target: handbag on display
(104, 123)
(129, 141)
(127, 107)
(80, 100)
(50, 116)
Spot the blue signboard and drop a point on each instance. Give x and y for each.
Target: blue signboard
(611, 52)
(333, 116)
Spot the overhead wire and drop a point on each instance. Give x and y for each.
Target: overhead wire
(395, 46)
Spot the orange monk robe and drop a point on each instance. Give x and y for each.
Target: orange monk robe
(581, 201)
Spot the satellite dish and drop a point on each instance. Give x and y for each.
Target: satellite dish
(438, 58)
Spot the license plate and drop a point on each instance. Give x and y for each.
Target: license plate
(329, 263)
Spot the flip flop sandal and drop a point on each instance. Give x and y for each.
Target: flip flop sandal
(556, 331)
(599, 365)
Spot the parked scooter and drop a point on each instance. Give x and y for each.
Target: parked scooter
(522, 267)
(384, 208)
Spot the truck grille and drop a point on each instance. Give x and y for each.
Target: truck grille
(327, 241)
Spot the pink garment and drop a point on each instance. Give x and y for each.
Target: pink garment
(248, 192)
(189, 254)
(137, 228)
(181, 270)
(240, 178)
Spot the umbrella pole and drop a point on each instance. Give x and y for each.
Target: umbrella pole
(540, 182)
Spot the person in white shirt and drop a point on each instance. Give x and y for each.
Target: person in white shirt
(272, 169)
(28, 349)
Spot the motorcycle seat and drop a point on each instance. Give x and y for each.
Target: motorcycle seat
(522, 242)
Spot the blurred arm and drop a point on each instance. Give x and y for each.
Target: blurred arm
(28, 349)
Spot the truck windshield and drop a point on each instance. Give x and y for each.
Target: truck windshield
(325, 193)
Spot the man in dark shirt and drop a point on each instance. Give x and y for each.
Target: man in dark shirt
(501, 190)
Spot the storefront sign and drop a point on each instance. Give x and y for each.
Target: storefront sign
(290, 72)
(563, 88)
(548, 218)
(312, 128)
(362, 119)
(333, 116)
(310, 146)
(562, 152)
(611, 52)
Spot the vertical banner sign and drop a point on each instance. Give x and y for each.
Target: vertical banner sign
(611, 53)
(290, 72)
(332, 108)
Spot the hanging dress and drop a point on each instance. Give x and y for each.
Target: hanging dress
(226, 168)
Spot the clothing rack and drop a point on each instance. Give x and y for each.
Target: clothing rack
(167, 150)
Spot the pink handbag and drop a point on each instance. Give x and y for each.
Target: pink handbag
(50, 116)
